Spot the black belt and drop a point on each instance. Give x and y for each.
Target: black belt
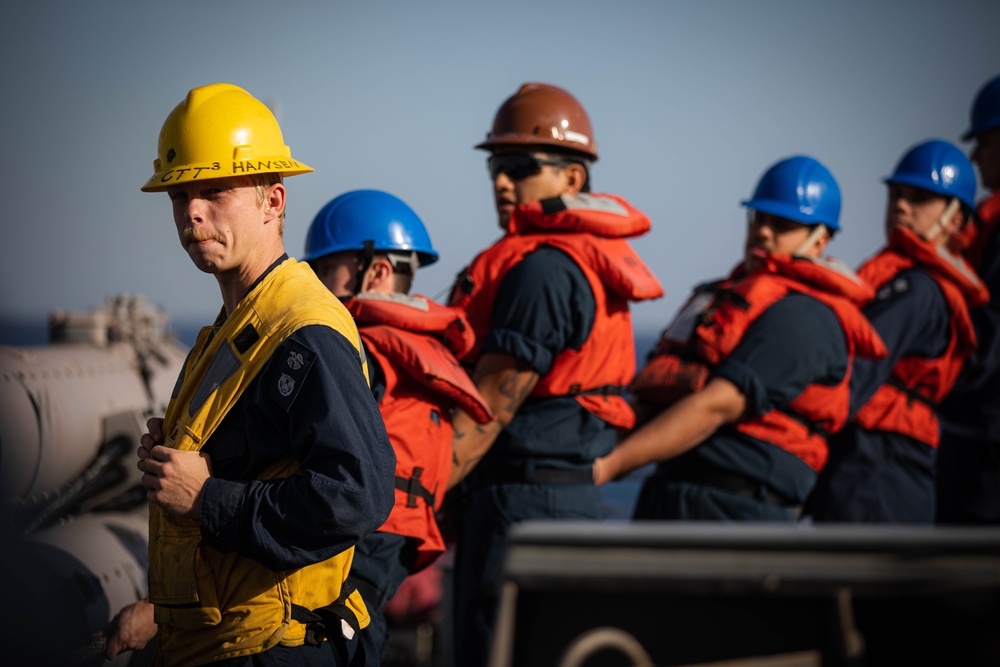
(531, 474)
(605, 391)
(730, 482)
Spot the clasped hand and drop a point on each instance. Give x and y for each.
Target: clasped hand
(173, 479)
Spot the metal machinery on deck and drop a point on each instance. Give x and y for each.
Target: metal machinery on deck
(748, 595)
(74, 523)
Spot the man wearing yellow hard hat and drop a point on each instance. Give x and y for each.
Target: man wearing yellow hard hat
(272, 461)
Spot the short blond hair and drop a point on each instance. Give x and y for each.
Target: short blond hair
(262, 183)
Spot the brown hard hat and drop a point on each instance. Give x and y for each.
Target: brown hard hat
(539, 114)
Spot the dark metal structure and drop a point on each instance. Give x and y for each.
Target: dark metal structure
(749, 595)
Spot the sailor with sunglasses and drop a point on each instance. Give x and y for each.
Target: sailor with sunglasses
(549, 304)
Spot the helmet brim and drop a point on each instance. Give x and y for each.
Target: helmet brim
(167, 178)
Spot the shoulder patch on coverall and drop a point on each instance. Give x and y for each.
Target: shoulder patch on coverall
(292, 364)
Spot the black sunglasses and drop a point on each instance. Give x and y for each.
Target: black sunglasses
(518, 166)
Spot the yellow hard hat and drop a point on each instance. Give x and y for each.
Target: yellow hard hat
(219, 131)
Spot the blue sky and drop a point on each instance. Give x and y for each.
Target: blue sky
(690, 102)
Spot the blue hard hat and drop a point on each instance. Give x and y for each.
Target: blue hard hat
(351, 220)
(939, 167)
(985, 110)
(801, 189)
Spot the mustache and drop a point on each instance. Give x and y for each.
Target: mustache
(191, 235)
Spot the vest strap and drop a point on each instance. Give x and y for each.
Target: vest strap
(815, 428)
(730, 294)
(327, 623)
(911, 393)
(606, 390)
(414, 489)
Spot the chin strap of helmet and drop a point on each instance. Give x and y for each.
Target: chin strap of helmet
(941, 223)
(410, 260)
(817, 232)
(365, 256)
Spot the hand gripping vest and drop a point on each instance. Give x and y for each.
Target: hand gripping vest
(907, 403)
(212, 605)
(717, 316)
(417, 343)
(591, 229)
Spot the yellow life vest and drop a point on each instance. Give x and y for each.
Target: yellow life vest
(212, 605)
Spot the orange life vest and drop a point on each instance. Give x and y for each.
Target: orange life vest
(417, 343)
(989, 211)
(717, 317)
(907, 404)
(971, 240)
(592, 230)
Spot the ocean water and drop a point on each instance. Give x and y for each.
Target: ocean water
(23, 332)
